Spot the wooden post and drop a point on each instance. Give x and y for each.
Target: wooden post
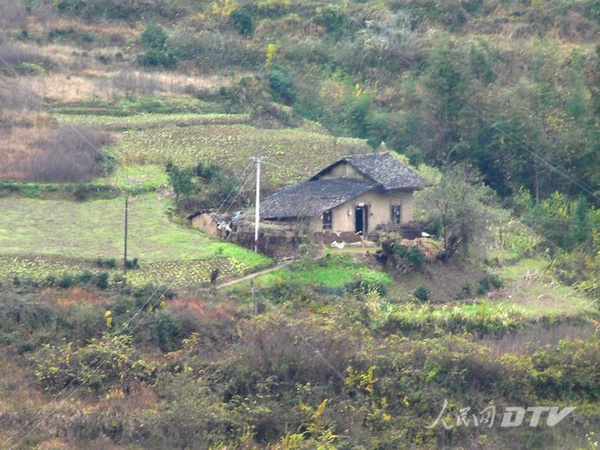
(125, 241)
(254, 299)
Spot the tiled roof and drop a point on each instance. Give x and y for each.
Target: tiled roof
(382, 168)
(311, 198)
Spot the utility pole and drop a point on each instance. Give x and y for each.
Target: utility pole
(537, 182)
(257, 214)
(254, 300)
(125, 243)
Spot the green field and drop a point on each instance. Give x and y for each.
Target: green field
(330, 272)
(41, 237)
(290, 154)
(141, 178)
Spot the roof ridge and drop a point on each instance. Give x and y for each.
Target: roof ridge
(368, 154)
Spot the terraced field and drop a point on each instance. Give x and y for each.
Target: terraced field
(43, 237)
(290, 154)
(143, 121)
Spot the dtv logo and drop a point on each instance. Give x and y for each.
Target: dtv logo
(514, 415)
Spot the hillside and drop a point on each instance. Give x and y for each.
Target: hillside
(166, 102)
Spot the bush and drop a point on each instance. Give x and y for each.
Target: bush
(98, 365)
(106, 263)
(154, 37)
(158, 58)
(90, 190)
(331, 17)
(422, 293)
(66, 281)
(191, 415)
(281, 85)
(465, 291)
(489, 282)
(101, 280)
(363, 286)
(159, 54)
(85, 277)
(49, 281)
(166, 330)
(132, 264)
(84, 321)
(242, 22)
(411, 256)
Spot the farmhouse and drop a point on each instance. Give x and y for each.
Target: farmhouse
(355, 194)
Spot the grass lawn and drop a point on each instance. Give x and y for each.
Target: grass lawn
(93, 229)
(142, 178)
(334, 272)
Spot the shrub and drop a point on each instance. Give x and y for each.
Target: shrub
(166, 330)
(132, 264)
(331, 17)
(154, 36)
(49, 281)
(281, 85)
(489, 282)
(85, 321)
(190, 414)
(119, 280)
(85, 277)
(412, 256)
(98, 365)
(242, 22)
(362, 286)
(158, 58)
(422, 293)
(465, 291)
(106, 263)
(29, 68)
(66, 281)
(159, 54)
(101, 280)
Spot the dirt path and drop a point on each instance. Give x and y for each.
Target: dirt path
(255, 274)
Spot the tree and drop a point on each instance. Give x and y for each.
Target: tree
(154, 37)
(181, 180)
(158, 53)
(455, 207)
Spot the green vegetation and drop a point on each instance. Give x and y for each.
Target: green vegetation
(327, 352)
(455, 209)
(233, 145)
(56, 236)
(137, 179)
(92, 229)
(330, 272)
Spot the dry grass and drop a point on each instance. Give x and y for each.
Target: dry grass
(13, 15)
(536, 336)
(20, 106)
(107, 86)
(73, 296)
(14, 54)
(65, 154)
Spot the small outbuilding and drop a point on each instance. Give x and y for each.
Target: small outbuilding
(355, 194)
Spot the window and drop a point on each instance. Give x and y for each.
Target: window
(396, 214)
(327, 220)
